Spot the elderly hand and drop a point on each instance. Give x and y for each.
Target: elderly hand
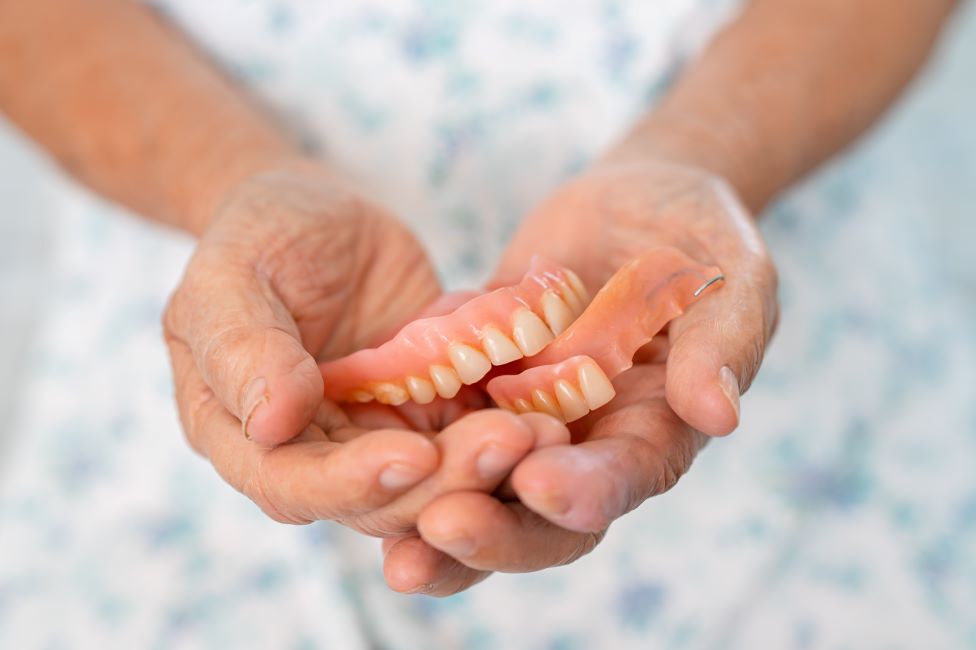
(676, 395)
(294, 268)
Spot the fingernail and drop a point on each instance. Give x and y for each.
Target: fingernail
(458, 547)
(398, 476)
(255, 395)
(730, 386)
(425, 588)
(550, 503)
(495, 462)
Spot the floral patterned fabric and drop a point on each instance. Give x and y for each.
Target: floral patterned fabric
(842, 514)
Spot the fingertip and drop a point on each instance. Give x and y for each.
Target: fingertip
(570, 487)
(410, 566)
(703, 395)
(403, 452)
(548, 430)
(278, 406)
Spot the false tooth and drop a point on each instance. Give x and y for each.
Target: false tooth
(558, 314)
(387, 393)
(470, 364)
(529, 332)
(500, 348)
(577, 284)
(362, 396)
(544, 403)
(504, 404)
(523, 405)
(596, 388)
(571, 297)
(570, 401)
(421, 390)
(446, 381)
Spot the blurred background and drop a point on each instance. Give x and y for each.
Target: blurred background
(841, 514)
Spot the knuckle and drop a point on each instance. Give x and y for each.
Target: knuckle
(259, 488)
(585, 544)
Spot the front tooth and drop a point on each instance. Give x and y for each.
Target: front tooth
(421, 390)
(446, 381)
(577, 284)
(387, 393)
(596, 388)
(362, 396)
(544, 403)
(570, 401)
(557, 313)
(500, 348)
(523, 405)
(471, 364)
(530, 333)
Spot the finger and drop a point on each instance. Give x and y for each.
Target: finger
(477, 453)
(411, 566)
(635, 452)
(302, 481)
(247, 348)
(549, 432)
(484, 534)
(716, 349)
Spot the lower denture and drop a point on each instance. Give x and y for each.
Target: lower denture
(637, 302)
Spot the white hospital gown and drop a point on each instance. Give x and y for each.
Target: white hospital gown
(841, 515)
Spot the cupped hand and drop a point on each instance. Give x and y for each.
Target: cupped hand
(295, 267)
(683, 388)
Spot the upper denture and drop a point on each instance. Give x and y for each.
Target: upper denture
(441, 353)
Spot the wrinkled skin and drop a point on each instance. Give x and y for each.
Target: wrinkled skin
(295, 268)
(682, 389)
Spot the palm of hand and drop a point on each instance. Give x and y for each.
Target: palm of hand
(642, 442)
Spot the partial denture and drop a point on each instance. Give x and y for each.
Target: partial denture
(436, 356)
(571, 377)
(567, 390)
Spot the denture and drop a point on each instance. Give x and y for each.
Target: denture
(435, 356)
(564, 349)
(573, 375)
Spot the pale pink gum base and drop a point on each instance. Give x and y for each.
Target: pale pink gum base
(637, 302)
(424, 342)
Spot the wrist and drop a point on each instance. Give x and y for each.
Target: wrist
(725, 148)
(208, 189)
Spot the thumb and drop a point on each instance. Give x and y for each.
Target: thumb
(716, 349)
(248, 350)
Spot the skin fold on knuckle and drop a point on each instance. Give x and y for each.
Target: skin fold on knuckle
(258, 487)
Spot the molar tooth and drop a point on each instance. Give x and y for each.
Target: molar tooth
(544, 403)
(596, 388)
(362, 396)
(558, 314)
(421, 390)
(471, 364)
(523, 406)
(577, 284)
(500, 348)
(529, 332)
(570, 401)
(446, 381)
(389, 393)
